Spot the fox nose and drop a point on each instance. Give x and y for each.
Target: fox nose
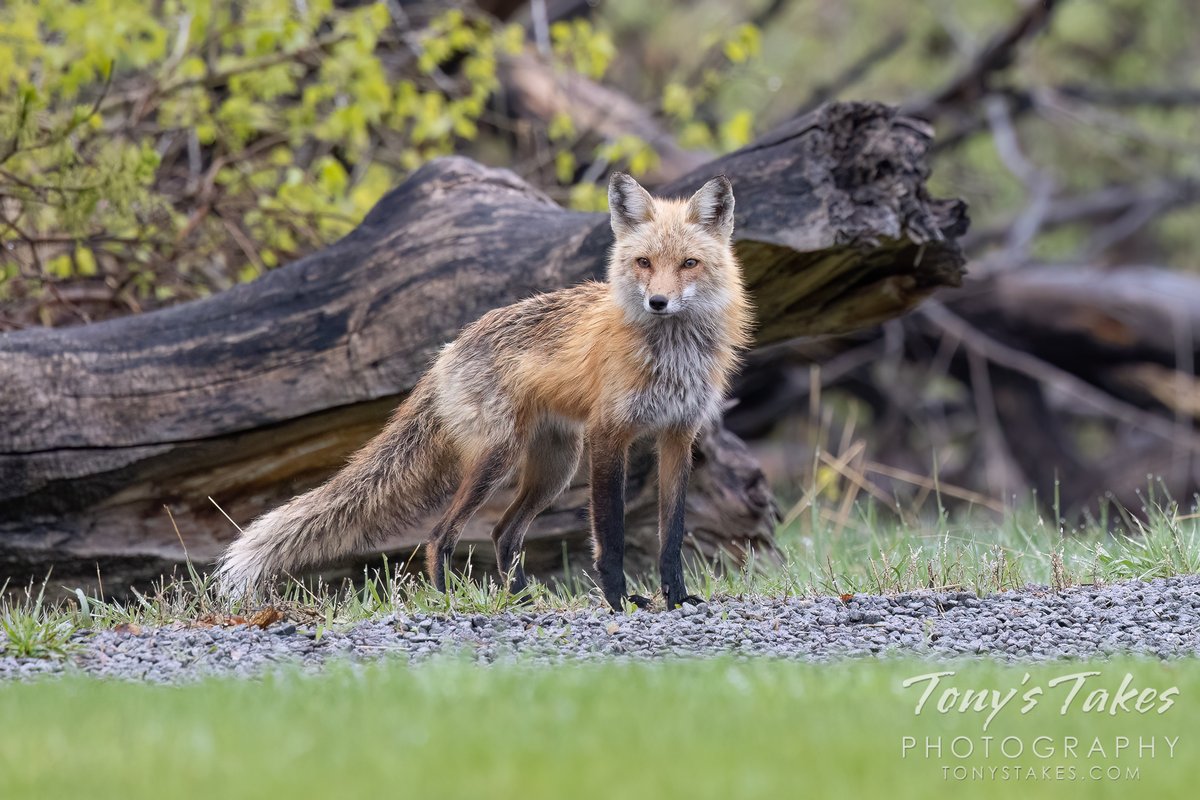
(658, 303)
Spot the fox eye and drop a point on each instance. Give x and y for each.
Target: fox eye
(691, 262)
(644, 263)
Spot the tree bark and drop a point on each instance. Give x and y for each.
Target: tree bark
(1116, 346)
(1074, 382)
(258, 393)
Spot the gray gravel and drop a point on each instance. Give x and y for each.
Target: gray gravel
(1160, 618)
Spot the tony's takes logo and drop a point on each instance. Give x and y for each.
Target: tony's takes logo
(1074, 691)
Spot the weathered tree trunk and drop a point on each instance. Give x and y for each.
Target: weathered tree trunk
(1075, 382)
(1116, 346)
(255, 394)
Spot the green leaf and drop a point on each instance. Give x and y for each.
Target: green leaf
(564, 166)
(561, 127)
(677, 101)
(743, 44)
(737, 130)
(60, 266)
(85, 261)
(331, 176)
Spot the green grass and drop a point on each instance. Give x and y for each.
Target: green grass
(32, 631)
(31, 634)
(860, 550)
(871, 553)
(718, 729)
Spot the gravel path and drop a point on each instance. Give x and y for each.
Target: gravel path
(1159, 618)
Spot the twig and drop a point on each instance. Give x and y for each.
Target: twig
(858, 479)
(930, 484)
(1111, 202)
(243, 243)
(1132, 98)
(1112, 124)
(179, 535)
(1022, 101)
(541, 26)
(819, 486)
(1128, 224)
(998, 460)
(853, 73)
(410, 40)
(15, 146)
(1038, 184)
(999, 353)
(226, 516)
(973, 82)
(215, 78)
(769, 13)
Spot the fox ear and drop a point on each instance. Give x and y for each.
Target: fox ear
(712, 207)
(628, 203)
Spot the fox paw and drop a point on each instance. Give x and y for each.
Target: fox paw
(639, 601)
(690, 599)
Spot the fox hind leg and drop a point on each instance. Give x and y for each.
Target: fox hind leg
(547, 466)
(479, 480)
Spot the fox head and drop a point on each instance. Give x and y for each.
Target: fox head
(672, 256)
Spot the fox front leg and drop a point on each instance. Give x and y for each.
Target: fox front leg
(608, 453)
(674, 469)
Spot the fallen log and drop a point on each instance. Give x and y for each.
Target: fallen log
(1074, 382)
(1117, 347)
(260, 392)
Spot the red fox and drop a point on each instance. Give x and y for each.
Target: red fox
(518, 393)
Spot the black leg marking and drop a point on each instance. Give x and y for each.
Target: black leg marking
(551, 458)
(477, 485)
(608, 520)
(674, 468)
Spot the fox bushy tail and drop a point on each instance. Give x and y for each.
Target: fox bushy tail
(399, 476)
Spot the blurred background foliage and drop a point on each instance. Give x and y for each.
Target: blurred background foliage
(164, 150)
(159, 150)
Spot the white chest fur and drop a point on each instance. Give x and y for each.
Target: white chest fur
(680, 360)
